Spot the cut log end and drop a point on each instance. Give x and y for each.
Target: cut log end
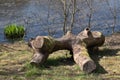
(88, 66)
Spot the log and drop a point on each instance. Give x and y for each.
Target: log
(81, 57)
(77, 45)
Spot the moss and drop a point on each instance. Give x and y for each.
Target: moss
(49, 43)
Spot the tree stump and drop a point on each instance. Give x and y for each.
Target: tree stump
(77, 45)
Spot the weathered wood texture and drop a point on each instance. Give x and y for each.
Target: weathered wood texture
(78, 46)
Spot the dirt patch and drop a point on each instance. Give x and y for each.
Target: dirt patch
(113, 41)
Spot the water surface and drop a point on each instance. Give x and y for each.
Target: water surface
(41, 17)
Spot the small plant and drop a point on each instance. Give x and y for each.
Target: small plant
(14, 31)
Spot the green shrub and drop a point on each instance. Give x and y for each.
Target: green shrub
(14, 31)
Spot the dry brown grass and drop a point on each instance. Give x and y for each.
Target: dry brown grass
(14, 63)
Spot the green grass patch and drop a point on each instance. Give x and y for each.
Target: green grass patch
(32, 72)
(14, 31)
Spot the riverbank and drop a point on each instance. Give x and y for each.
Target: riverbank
(15, 57)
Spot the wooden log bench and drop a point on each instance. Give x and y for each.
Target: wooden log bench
(78, 45)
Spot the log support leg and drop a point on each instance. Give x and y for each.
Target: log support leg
(81, 57)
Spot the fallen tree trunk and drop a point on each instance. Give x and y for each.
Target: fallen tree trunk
(77, 45)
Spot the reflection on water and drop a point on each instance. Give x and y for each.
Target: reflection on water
(41, 17)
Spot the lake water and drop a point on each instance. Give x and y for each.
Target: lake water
(43, 17)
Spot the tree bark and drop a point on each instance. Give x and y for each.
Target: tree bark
(78, 45)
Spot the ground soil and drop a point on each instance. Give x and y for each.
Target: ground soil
(107, 59)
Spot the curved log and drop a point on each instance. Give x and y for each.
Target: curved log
(78, 45)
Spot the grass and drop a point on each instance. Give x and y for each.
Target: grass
(14, 31)
(31, 70)
(15, 58)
